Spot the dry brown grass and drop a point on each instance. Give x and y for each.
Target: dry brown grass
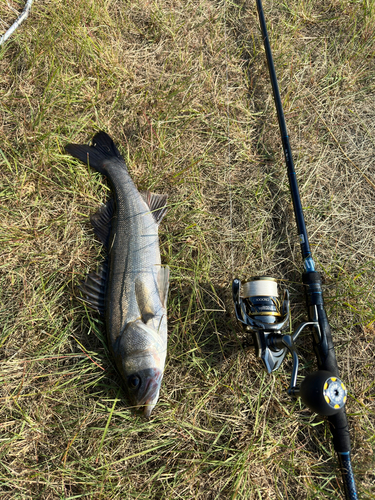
(183, 89)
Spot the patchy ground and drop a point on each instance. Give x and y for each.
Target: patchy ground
(183, 89)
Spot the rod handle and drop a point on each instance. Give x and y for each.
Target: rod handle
(347, 476)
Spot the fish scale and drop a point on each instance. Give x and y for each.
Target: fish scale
(134, 285)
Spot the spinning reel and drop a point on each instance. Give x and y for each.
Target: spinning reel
(261, 312)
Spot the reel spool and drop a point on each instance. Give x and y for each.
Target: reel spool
(259, 309)
(262, 302)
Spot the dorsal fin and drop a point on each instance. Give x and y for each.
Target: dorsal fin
(157, 204)
(94, 287)
(101, 221)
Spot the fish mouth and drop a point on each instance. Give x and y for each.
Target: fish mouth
(150, 393)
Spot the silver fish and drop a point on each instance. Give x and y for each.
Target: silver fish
(131, 287)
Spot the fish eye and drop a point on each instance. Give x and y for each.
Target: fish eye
(134, 381)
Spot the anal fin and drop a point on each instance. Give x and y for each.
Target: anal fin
(157, 204)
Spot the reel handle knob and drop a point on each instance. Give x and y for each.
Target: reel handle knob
(323, 393)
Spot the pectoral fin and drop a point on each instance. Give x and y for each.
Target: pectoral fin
(163, 284)
(151, 302)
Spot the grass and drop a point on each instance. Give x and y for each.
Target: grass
(183, 89)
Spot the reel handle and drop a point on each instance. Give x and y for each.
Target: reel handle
(323, 393)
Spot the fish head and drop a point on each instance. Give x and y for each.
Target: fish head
(140, 356)
(143, 388)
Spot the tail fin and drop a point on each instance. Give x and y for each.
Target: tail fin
(103, 148)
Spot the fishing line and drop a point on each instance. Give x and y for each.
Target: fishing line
(260, 287)
(20, 19)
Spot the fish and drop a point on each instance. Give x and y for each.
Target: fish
(130, 289)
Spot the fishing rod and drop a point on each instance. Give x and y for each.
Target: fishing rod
(261, 312)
